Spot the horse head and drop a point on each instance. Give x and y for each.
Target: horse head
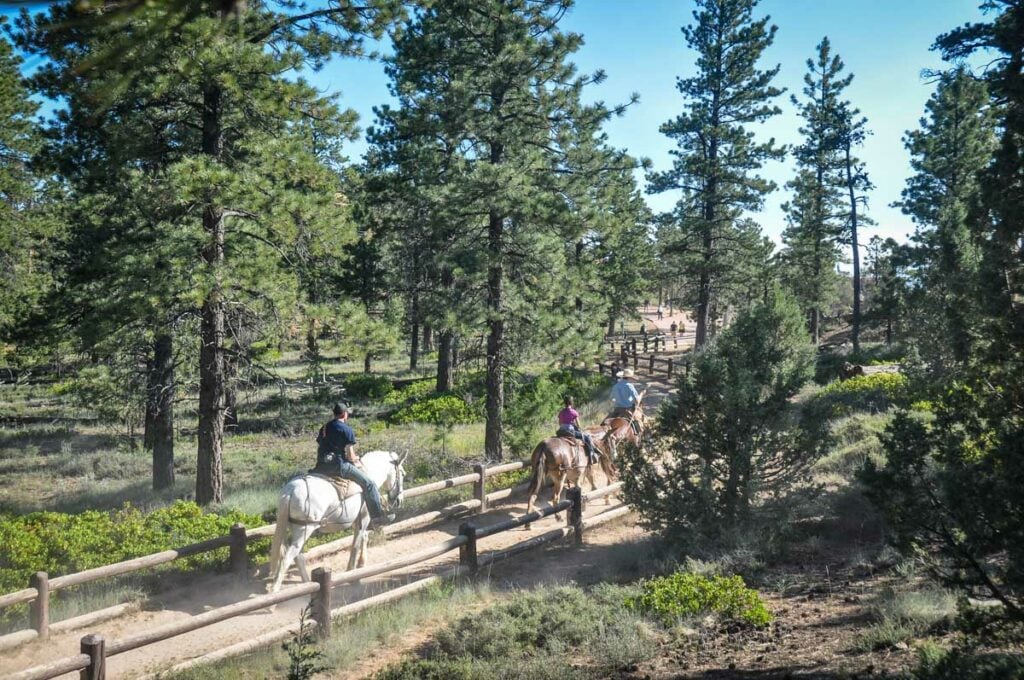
(396, 479)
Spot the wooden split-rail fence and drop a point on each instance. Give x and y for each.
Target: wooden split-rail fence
(91, 662)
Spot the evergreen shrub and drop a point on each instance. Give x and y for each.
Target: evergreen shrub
(683, 595)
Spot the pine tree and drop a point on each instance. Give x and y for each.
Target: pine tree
(853, 131)
(25, 227)
(812, 234)
(953, 145)
(492, 106)
(717, 156)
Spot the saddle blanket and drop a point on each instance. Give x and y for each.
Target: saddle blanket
(344, 487)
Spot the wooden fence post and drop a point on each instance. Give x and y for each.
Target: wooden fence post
(39, 610)
(321, 604)
(645, 343)
(636, 361)
(94, 646)
(467, 551)
(652, 364)
(574, 517)
(632, 344)
(670, 367)
(625, 356)
(479, 486)
(239, 560)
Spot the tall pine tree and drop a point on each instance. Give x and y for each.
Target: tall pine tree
(815, 211)
(717, 156)
(953, 145)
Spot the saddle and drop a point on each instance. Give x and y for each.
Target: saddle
(343, 486)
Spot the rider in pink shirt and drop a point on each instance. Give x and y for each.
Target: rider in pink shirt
(569, 422)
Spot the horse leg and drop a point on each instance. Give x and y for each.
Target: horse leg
(300, 559)
(557, 488)
(359, 532)
(295, 542)
(364, 533)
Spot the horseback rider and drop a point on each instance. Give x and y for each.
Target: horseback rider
(336, 450)
(569, 423)
(625, 398)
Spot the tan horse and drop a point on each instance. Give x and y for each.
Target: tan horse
(564, 460)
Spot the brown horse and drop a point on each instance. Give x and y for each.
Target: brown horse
(563, 460)
(619, 428)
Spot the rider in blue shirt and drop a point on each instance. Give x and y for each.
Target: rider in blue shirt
(336, 447)
(624, 394)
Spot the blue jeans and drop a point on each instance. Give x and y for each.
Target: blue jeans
(588, 443)
(371, 494)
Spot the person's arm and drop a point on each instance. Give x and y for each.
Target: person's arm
(634, 394)
(350, 447)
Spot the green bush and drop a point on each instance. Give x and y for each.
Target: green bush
(412, 391)
(444, 409)
(366, 386)
(683, 594)
(870, 393)
(61, 543)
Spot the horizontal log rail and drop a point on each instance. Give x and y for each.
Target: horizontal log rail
(491, 529)
(209, 618)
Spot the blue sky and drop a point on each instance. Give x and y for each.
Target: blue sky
(885, 43)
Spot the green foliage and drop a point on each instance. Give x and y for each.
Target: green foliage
(443, 409)
(731, 429)
(305, 658)
(683, 595)
(950, 486)
(60, 543)
(411, 392)
(873, 393)
(366, 386)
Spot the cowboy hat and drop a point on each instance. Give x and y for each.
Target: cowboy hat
(628, 373)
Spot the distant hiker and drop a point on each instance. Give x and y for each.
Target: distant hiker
(569, 425)
(661, 312)
(336, 450)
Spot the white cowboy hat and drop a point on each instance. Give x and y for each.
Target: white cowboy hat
(628, 373)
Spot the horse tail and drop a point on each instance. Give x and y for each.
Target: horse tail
(537, 460)
(277, 546)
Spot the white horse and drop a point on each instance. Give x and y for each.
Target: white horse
(309, 503)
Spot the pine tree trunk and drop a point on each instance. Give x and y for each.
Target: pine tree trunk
(312, 343)
(446, 343)
(815, 319)
(160, 411)
(230, 393)
(855, 335)
(428, 339)
(367, 362)
(414, 332)
(611, 326)
(495, 403)
(212, 382)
